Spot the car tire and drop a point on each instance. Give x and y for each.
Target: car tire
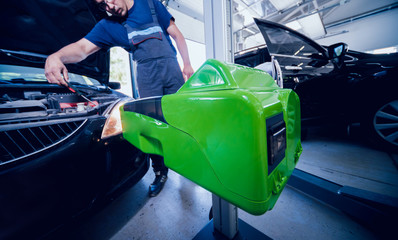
(382, 124)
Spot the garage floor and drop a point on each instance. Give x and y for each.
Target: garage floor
(181, 209)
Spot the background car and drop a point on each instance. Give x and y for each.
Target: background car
(61, 151)
(335, 85)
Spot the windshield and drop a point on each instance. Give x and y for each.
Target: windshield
(281, 41)
(296, 53)
(18, 74)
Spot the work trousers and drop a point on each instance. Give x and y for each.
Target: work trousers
(158, 77)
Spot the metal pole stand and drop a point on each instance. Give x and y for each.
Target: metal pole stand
(226, 225)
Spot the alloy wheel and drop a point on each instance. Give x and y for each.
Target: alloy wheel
(385, 122)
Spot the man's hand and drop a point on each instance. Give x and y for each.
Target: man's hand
(187, 72)
(56, 71)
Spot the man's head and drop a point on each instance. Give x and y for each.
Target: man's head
(115, 7)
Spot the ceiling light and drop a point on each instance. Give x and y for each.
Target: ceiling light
(295, 25)
(311, 26)
(249, 30)
(298, 51)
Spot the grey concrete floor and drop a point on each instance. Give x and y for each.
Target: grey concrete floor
(181, 210)
(350, 160)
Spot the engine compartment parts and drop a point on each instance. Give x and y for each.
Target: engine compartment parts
(28, 104)
(229, 129)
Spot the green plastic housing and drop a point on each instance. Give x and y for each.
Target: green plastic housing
(216, 133)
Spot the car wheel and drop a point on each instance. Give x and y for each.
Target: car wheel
(383, 123)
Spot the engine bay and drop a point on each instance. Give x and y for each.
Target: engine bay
(18, 104)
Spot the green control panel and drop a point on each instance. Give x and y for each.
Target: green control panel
(229, 129)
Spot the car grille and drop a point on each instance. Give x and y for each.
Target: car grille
(21, 142)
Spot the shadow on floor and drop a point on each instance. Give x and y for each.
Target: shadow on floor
(103, 223)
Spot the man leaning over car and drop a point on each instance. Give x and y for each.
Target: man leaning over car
(144, 28)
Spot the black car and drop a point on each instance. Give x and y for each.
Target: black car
(335, 85)
(61, 149)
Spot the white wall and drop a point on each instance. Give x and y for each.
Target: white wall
(193, 31)
(197, 54)
(374, 32)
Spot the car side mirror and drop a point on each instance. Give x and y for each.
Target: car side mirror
(337, 50)
(114, 85)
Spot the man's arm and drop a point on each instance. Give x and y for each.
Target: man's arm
(182, 48)
(55, 69)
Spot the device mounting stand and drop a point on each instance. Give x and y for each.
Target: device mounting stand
(226, 225)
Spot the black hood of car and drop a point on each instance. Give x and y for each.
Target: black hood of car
(33, 29)
(386, 60)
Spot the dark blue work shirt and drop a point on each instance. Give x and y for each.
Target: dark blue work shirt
(110, 32)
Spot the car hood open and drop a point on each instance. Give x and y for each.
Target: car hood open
(43, 27)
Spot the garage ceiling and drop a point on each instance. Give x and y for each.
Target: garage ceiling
(338, 19)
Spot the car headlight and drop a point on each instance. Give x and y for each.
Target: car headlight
(113, 124)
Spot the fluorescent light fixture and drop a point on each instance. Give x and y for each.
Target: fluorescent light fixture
(283, 4)
(249, 30)
(295, 25)
(298, 51)
(311, 26)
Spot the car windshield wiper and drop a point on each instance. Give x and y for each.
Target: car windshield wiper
(5, 82)
(73, 89)
(77, 83)
(81, 84)
(95, 87)
(24, 80)
(18, 80)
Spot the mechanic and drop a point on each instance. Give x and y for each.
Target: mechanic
(142, 27)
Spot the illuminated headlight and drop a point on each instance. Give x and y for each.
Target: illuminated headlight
(113, 124)
(276, 141)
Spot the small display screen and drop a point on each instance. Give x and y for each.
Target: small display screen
(276, 141)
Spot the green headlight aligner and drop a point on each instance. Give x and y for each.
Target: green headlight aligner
(229, 129)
